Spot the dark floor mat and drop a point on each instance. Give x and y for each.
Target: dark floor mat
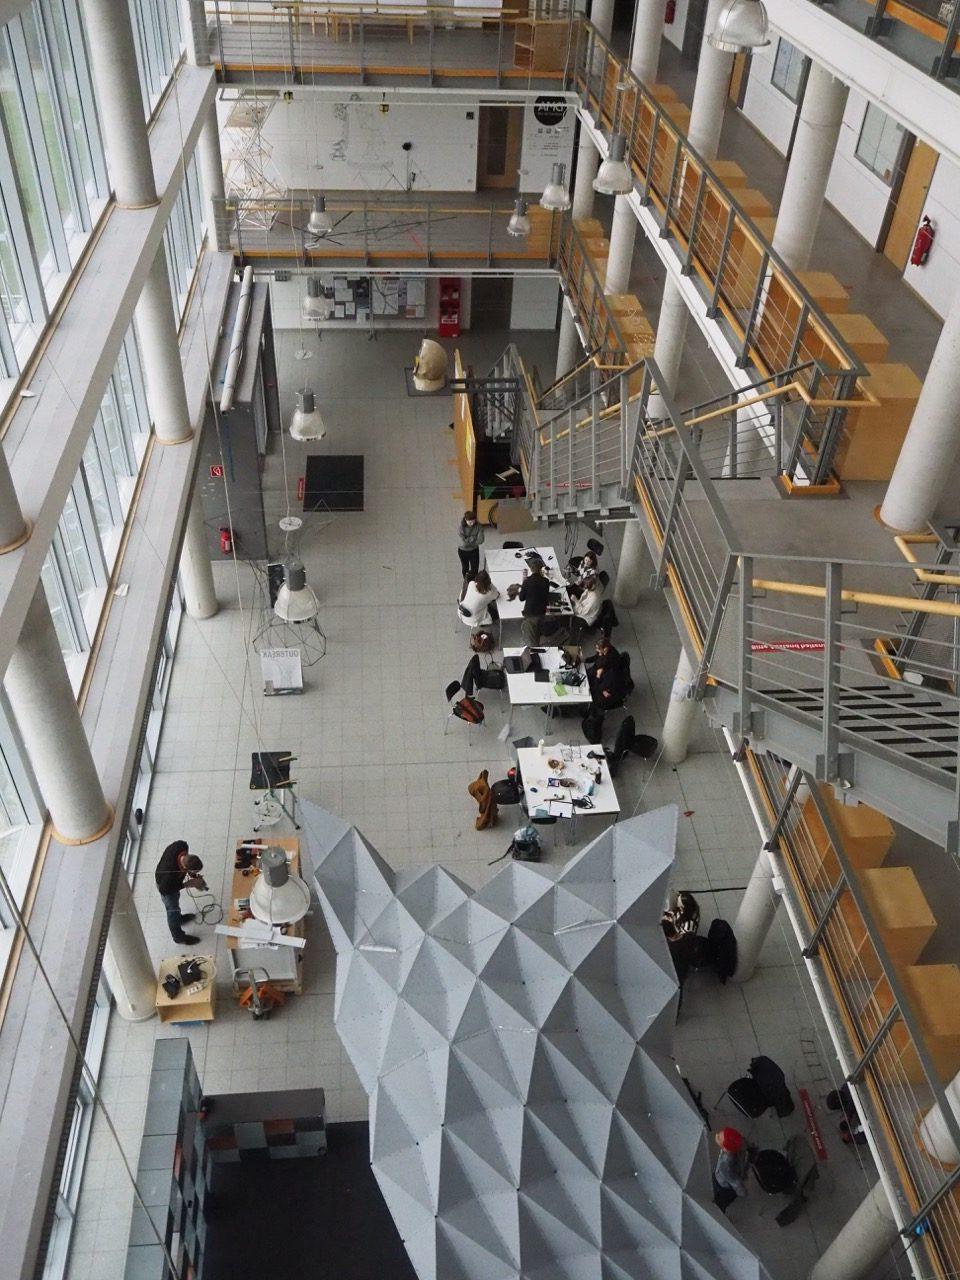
(317, 1219)
(334, 482)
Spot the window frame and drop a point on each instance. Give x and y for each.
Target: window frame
(796, 96)
(902, 142)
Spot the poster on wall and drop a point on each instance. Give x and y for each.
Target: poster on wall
(548, 128)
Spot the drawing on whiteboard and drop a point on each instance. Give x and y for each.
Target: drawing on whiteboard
(362, 145)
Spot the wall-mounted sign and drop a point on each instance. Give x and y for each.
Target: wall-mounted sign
(216, 471)
(550, 110)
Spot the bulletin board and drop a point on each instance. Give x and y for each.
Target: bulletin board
(357, 298)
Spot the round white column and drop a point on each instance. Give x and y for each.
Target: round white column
(710, 90)
(933, 1131)
(113, 59)
(588, 161)
(932, 443)
(601, 15)
(196, 571)
(210, 165)
(681, 713)
(160, 350)
(861, 1242)
(814, 147)
(623, 233)
(47, 716)
(755, 915)
(647, 37)
(127, 966)
(14, 529)
(668, 345)
(633, 567)
(569, 351)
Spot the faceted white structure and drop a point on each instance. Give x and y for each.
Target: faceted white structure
(526, 1117)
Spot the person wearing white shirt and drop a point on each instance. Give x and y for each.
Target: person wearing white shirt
(477, 596)
(586, 608)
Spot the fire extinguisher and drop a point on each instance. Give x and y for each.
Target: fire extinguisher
(226, 540)
(670, 12)
(923, 243)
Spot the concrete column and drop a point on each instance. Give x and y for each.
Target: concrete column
(933, 1132)
(862, 1241)
(681, 713)
(814, 146)
(623, 233)
(569, 351)
(210, 165)
(932, 443)
(588, 161)
(47, 716)
(196, 571)
(113, 58)
(668, 345)
(601, 15)
(126, 961)
(14, 529)
(647, 37)
(160, 350)
(633, 567)
(758, 908)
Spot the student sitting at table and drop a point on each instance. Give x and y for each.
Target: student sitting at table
(477, 608)
(608, 682)
(579, 570)
(586, 609)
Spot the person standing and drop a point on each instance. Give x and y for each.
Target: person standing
(729, 1176)
(178, 869)
(534, 591)
(471, 539)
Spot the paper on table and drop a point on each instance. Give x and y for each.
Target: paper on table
(560, 808)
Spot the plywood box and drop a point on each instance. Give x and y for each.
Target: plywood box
(872, 436)
(862, 336)
(826, 291)
(589, 228)
(933, 994)
(901, 913)
(753, 203)
(865, 834)
(729, 173)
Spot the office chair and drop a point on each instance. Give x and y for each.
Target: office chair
(549, 820)
(450, 693)
(594, 545)
(513, 546)
(603, 578)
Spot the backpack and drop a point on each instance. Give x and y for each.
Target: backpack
(722, 949)
(493, 677)
(469, 709)
(772, 1084)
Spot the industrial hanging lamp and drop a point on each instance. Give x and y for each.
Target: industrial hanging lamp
(306, 423)
(614, 177)
(555, 196)
(741, 26)
(319, 223)
(296, 602)
(519, 224)
(278, 896)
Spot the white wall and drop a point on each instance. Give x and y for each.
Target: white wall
(354, 146)
(534, 304)
(853, 189)
(547, 138)
(673, 31)
(769, 110)
(286, 303)
(938, 283)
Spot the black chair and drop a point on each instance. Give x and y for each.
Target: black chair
(607, 618)
(594, 545)
(513, 546)
(603, 578)
(549, 820)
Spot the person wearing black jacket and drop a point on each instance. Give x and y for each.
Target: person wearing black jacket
(178, 869)
(608, 683)
(534, 591)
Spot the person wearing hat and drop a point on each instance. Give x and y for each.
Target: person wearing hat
(731, 1168)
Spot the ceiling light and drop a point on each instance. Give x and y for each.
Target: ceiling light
(296, 602)
(519, 224)
(278, 896)
(614, 177)
(306, 423)
(555, 194)
(319, 223)
(430, 366)
(741, 26)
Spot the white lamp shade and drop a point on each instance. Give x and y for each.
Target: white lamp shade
(319, 223)
(296, 602)
(614, 177)
(555, 196)
(306, 423)
(741, 26)
(519, 224)
(278, 896)
(430, 366)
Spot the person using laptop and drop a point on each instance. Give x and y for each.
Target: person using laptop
(586, 609)
(534, 591)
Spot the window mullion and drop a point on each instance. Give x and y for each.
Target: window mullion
(57, 72)
(78, 49)
(22, 241)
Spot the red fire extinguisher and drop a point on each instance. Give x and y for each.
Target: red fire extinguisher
(226, 540)
(670, 12)
(923, 243)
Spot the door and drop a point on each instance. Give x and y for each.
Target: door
(738, 78)
(907, 201)
(498, 147)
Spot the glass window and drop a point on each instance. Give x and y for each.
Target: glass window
(12, 812)
(789, 68)
(75, 548)
(72, 79)
(879, 144)
(56, 594)
(15, 309)
(44, 103)
(156, 26)
(22, 158)
(101, 489)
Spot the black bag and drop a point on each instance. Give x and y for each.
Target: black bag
(772, 1084)
(722, 949)
(774, 1172)
(747, 1098)
(469, 709)
(644, 746)
(493, 677)
(592, 726)
(723, 1197)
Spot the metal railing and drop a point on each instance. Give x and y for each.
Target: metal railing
(887, 1063)
(584, 289)
(921, 32)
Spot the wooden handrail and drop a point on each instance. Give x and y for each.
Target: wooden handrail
(901, 603)
(931, 575)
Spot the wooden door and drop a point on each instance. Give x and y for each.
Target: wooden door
(500, 133)
(908, 203)
(738, 78)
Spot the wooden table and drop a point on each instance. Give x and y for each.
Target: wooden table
(183, 1007)
(283, 965)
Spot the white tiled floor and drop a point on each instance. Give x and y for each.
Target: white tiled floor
(369, 736)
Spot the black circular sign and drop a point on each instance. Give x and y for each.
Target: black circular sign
(552, 111)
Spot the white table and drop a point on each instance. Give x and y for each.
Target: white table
(506, 567)
(576, 774)
(526, 690)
